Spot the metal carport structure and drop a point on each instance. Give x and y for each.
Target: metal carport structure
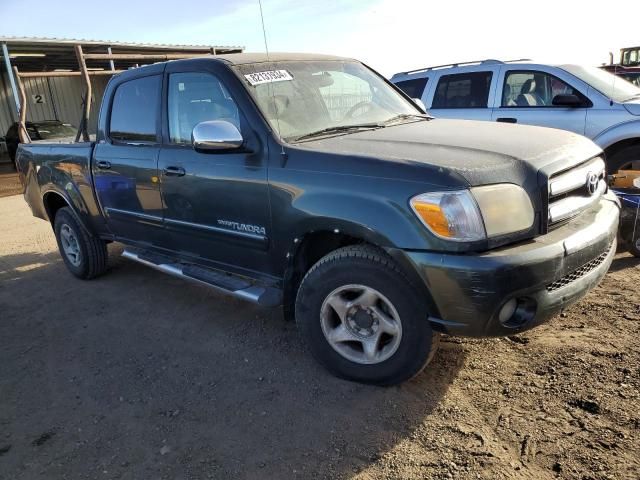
(51, 78)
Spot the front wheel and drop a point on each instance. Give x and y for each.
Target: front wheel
(626, 159)
(362, 319)
(84, 255)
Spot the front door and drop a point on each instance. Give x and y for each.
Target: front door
(527, 98)
(125, 165)
(216, 203)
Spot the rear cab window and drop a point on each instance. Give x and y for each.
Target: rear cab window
(463, 90)
(135, 110)
(414, 88)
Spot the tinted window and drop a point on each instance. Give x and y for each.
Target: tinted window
(194, 98)
(533, 89)
(135, 110)
(463, 90)
(414, 87)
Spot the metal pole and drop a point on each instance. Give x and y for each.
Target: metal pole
(53, 100)
(87, 99)
(12, 80)
(113, 66)
(23, 133)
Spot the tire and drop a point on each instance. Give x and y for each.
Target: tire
(623, 159)
(91, 252)
(12, 156)
(363, 279)
(634, 247)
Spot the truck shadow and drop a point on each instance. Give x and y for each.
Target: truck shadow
(148, 376)
(624, 262)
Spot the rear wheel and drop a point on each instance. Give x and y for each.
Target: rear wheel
(84, 255)
(626, 159)
(362, 319)
(634, 247)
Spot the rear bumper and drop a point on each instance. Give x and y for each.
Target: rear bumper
(543, 276)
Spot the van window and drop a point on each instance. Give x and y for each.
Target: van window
(135, 112)
(533, 89)
(414, 87)
(463, 90)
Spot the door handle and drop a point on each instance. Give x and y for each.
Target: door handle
(174, 172)
(507, 120)
(104, 165)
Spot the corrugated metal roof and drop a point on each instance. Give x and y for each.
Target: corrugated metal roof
(31, 54)
(110, 43)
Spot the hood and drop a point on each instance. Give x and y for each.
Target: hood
(479, 152)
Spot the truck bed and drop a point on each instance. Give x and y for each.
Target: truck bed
(62, 168)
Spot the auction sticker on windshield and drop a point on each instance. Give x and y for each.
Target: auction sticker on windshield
(268, 77)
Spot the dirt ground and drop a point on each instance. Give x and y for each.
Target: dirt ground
(137, 375)
(9, 180)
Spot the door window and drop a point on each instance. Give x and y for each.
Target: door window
(414, 88)
(134, 112)
(197, 97)
(463, 90)
(533, 89)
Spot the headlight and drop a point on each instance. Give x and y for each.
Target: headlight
(450, 215)
(505, 208)
(475, 214)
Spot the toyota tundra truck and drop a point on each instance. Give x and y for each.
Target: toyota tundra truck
(312, 183)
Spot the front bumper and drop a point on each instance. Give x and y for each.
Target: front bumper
(544, 275)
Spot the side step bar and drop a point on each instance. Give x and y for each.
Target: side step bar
(234, 286)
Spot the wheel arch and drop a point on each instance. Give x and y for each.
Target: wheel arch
(619, 136)
(621, 145)
(54, 200)
(310, 247)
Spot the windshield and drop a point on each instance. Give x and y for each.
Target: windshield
(615, 88)
(631, 57)
(306, 97)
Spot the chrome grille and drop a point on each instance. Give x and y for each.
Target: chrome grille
(579, 272)
(575, 190)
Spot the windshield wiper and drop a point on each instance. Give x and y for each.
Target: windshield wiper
(339, 129)
(406, 116)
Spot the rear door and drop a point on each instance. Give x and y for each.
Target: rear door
(467, 95)
(125, 164)
(216, 203)
(526, 97)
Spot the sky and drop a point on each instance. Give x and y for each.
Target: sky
(388, 35)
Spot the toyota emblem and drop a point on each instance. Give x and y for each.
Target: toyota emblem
(592, 183)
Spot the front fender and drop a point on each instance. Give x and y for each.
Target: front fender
(617, 133)
(378, 219)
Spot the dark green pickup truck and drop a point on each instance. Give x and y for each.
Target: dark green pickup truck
(313, 183)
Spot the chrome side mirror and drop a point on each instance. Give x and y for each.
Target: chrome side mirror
(216, 135)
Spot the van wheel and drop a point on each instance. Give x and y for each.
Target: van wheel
(84, 255)
(362, 319)
(626, 159)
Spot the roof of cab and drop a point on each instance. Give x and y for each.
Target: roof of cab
(230, 59)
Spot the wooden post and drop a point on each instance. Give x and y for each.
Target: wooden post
(87, 99)
(23, 134)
